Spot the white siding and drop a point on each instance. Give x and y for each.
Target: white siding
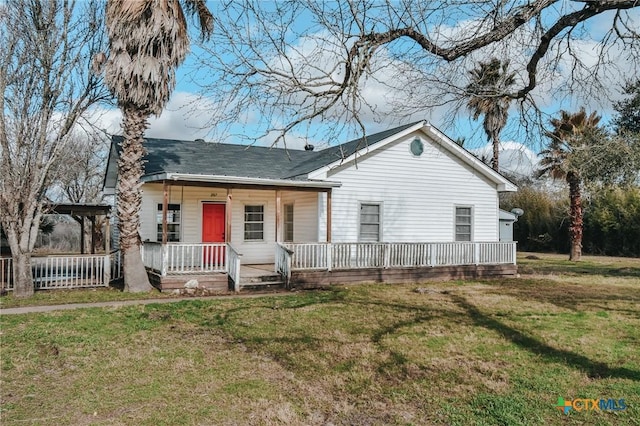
(192, 198)
(305, 215)
(418, 195)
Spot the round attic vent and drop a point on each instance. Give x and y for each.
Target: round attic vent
(417, 147)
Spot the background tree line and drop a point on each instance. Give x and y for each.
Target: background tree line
(611, 220)
(606, 164)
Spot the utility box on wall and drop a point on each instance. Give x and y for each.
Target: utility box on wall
(507, 219)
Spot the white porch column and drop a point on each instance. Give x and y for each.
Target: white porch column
(165, 207)
(329, 216)
(229, 213)
(278, 215)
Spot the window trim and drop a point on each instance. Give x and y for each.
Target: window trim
(380, 205)
(159, 222)
(285, 222)
(471, 222)
(245, 222)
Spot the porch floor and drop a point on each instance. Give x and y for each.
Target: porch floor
(251, 271)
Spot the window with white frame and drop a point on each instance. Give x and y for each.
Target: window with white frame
(464, 223)
(369, 222)
(254, 223)
(288, 223)
(173, 223)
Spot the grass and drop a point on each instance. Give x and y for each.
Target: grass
(62, 297)
(479, 352)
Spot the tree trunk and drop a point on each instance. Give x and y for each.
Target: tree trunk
(496, 154)
(22, 236)
(129, 199)
(22, 275)
(575, 216)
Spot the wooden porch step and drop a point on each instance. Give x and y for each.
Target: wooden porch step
(261, 282)
(262, 279)
(265, 285)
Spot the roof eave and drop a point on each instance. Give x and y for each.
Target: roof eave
(239, 180)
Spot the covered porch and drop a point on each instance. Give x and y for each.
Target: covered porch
(209, 229)
(321, 264)
(53, 271)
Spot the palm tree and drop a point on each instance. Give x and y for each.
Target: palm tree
(147, 41)
(490, 82)
(570, 133)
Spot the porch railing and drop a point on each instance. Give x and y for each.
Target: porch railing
(116, 265)
(283, 262)
(310, 256)
(6, 273)
(184, 258)
(234, 263)
(62, 271)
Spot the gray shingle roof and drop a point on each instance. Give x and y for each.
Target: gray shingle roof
(204, 158)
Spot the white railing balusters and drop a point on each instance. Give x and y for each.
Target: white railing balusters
(63, 271)
(327, 256)
(284, 261)
(234, 265)
(185, 258)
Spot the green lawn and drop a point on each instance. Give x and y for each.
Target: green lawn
(481, 352)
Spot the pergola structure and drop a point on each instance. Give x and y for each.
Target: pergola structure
(81, 211)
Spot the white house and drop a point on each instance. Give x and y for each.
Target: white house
(409, 185)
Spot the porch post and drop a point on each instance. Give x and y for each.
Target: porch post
(228, 211)
(278, 214)
(107, 238)
(93, 234)
(329, 216)
(81, 234)
(165, 207)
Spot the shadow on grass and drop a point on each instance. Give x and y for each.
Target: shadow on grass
(593, 369)
(568, 295)
(577, 268)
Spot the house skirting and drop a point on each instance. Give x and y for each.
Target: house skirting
(215, 281)
(316, 279)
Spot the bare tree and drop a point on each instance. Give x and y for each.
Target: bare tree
(47, 86)
(298, 66)
(78, 179)
(80, 171)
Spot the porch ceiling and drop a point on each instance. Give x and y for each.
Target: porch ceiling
(78, 209)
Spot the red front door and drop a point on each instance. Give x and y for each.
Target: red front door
(213, 226)
(213, 231)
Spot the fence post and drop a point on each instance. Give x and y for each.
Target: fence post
(476, 253)
(236, 282)
(165, 259)
(329, 256)
(386, 255)
(107, 269)
(432, 256)
(513, 252)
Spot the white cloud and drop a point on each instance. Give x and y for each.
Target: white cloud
(184, 118)
(515, 158)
